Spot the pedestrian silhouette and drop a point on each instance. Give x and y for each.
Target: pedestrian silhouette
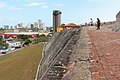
(98, 23)
(91, 22)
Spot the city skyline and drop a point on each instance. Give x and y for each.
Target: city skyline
(13, 12)
(37, 24)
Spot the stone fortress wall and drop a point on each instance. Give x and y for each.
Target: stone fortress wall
(57, 54)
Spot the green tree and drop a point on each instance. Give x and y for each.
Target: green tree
(26, 42)
(43, 39)
(23, 37)
(3, 43)
(43, 35)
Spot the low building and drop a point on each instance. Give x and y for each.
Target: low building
(14, 44)
(64, 27)
(14, 35)
(32, 34)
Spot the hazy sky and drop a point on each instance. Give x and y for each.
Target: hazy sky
(76, 11)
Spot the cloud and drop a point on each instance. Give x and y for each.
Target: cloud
(9, 7)
(44, 6)
(32, 4)
(2, 4)
(15, 8)
(41, 4)
(59, 4)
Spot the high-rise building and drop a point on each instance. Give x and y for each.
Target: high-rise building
(6, 26)
(20, 25)
(28, 25)
(56, 19)
(11, 27)
(43, 26)
(39, 24)
(35, 25)
(32, 26)
(15, 27)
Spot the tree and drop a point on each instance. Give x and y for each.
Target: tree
(43, 35)
(27, 42)
(43, 39)
(23, 37)
(3, 43)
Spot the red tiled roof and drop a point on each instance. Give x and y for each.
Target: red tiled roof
(69, 25)
(1, 34)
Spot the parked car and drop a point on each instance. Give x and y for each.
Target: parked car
(3, 50)
(12, 48)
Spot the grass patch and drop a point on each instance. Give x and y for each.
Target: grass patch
(21, 65)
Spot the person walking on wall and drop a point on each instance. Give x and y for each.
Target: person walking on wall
(91, 22)
(98, 23)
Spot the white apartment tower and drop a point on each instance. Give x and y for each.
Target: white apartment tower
(29, 25)
(35, 25)
(40, 24)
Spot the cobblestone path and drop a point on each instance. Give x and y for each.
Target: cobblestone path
(105, 54)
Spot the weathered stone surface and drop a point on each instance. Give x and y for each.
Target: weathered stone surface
(80, 59)
(116, 28)
(65, 54)
(118, 17)
(56, 55)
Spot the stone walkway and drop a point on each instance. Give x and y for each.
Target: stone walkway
(79, 68)
(104, 54)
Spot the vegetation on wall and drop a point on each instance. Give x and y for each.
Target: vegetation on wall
(3, 43)
(41, 38)
(23, 37)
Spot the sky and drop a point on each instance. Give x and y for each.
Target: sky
(13, 12)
